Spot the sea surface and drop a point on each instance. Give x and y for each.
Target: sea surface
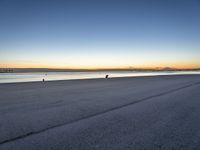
(50, 76)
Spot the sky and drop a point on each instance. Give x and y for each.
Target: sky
(94, 34)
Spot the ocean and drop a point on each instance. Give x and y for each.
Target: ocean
(50, 76)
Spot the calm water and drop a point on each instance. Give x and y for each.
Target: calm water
(27, 77)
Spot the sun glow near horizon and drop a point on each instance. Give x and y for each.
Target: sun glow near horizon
(104, 65)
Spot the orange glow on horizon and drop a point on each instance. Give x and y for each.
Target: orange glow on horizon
(93, 67)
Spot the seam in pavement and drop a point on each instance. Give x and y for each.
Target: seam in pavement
(97, 114)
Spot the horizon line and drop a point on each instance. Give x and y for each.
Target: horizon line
(96, 69)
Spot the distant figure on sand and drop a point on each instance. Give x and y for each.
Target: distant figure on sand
(106, 76)
(42, 80)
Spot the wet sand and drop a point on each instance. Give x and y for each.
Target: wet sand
(158, 112)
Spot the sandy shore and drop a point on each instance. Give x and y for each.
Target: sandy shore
(160, 112)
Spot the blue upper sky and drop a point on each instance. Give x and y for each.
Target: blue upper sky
(99, 33)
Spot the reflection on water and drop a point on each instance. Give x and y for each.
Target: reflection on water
(39, 76)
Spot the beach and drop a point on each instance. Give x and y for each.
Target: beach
(152, 112)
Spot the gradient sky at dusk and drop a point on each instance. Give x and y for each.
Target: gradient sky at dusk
(100, 33)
